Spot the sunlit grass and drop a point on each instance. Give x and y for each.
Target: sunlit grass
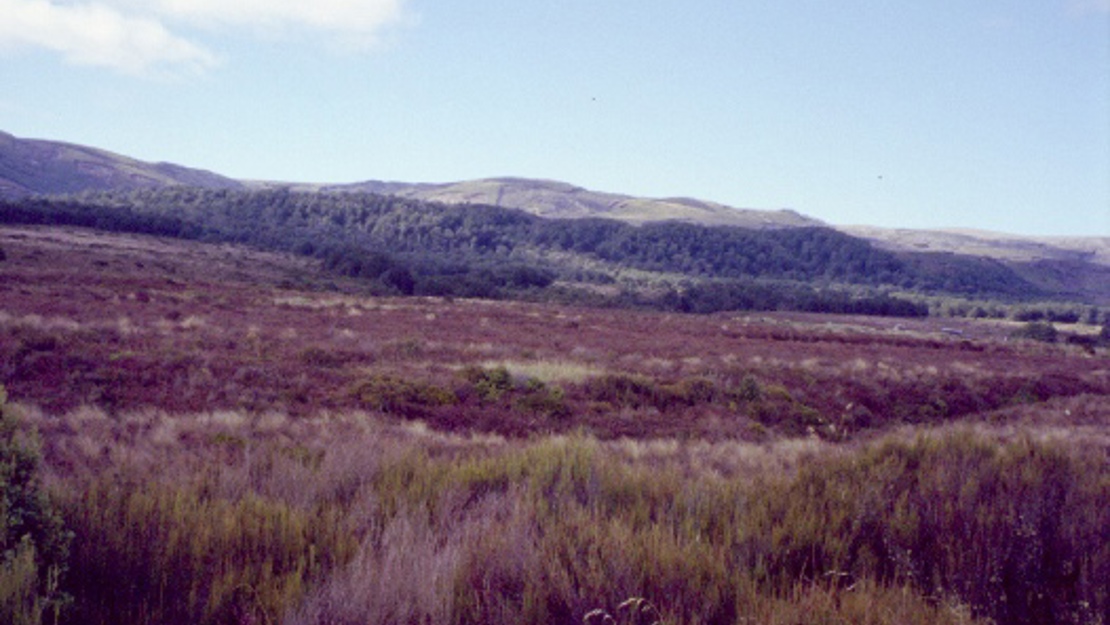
(345, 518)
(546, 371)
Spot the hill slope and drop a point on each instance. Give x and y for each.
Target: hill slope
(32, 166)
(1070, 266)
(547, 198)
(1000, 246)
(432, 248)
(1077, 267)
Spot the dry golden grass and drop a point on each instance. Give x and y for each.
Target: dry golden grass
(546, 371)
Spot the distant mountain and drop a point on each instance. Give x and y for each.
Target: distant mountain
(996, 245)
(547, 198)
(33, 166)
(1077, 266)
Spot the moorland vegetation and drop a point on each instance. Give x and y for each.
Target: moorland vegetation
(232, 518)
(206, 433)
(406, 247)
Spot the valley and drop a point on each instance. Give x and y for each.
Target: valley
(298, 448)
(132, 322)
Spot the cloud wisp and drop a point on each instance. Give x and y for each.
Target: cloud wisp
(145, 37)
(355, 17)
(99, 35)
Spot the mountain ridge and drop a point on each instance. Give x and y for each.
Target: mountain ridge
(38, 166)
(562, 200)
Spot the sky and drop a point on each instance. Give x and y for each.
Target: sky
(981, 114)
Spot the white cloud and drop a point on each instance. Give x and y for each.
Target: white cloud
(97, 34)
(135, 35)
(351, 17)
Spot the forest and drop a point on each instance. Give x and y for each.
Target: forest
(408, 247)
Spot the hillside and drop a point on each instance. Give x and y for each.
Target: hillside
(414, 247)
(547, 198)
(217, 408)
(997, 245)
(32, 166)
(1075, 268)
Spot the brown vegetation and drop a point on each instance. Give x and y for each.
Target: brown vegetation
(233, 440)
(126, 323)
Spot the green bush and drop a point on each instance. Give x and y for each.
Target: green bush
(490, 384)
(34, 544)
(540, 399)
(938, 529)
(691, 391)
(391, 394)
(621, 389)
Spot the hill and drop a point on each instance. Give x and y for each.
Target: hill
(33, 166)
(417, 247)
(997, 245)
(1075, 268)
(548, 198)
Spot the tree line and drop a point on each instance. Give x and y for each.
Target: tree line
(408, 246)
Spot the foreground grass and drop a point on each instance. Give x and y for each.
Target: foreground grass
(229, 519)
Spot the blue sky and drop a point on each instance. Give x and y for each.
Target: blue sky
(989, 114)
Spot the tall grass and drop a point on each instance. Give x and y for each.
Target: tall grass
(148, 553)
(1018, 531)
(388, 525)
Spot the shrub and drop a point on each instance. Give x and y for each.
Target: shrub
(20, 601)
(1038, 331)
(490, 384)
(394, 395)
(540, 399)
(34, 544)
(622, 389)
(429, 529)
(747, 391)
(691, 391)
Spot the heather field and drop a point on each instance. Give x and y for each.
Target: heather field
(209, 434)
